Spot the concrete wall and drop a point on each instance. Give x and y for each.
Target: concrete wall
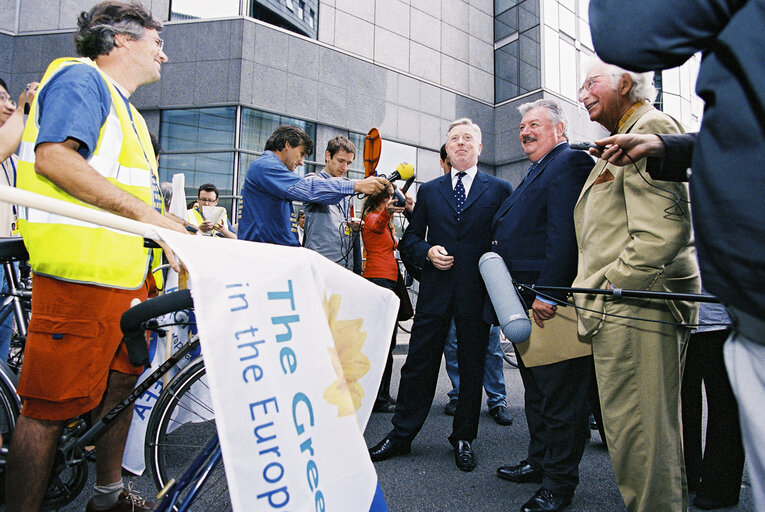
(46, 15)
(446, 43)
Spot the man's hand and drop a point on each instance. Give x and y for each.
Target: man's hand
(224, 230)
(409, 206)
(440, 258)
(542, 311)
(13, 128)
(206, 226)
(28, 94)
(636, 145)
(355, 224)
(392, 208)
(370, 185)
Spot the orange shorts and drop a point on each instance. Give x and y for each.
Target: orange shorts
(74, 341)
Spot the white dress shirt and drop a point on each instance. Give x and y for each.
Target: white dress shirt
(467, 179)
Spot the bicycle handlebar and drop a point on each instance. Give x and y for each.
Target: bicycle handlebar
(133, 319)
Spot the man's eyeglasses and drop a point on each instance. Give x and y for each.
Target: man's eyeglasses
(207, 201)
(590, 81)
(160, 43)
(6, 98)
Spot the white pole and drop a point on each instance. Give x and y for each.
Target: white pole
(32, 200)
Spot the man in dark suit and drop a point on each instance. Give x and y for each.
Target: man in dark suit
(449, 231)
(534, 234)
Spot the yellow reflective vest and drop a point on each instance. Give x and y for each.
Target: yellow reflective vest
(78, 251)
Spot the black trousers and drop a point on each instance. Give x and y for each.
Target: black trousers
(384, 391)
(716, 475)
(419, 374)
(557, 408)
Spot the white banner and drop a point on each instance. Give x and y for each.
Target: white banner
(294, 347)
(160, 348)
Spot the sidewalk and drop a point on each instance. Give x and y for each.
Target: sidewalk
(428, 481)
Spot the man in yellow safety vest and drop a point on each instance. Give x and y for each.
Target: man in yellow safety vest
(85, 143)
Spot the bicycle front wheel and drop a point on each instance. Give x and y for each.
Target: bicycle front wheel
(10, 405)
(179, 427)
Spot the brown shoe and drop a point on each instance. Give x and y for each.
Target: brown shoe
(129, 501)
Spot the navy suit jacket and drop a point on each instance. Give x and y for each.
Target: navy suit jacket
(434, 222)
(534, 228)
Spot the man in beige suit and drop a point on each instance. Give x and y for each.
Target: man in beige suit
(634, 233)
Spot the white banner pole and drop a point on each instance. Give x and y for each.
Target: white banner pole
(32, 200)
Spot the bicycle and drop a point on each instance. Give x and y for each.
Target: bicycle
(16, 301)
(69, 473)
(180, 431)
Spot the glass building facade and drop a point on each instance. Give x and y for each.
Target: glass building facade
(218, 144)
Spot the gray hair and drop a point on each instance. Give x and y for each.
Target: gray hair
(97, 27)
(642, 84)
(167, 193)
(467, 122)
(553, 108)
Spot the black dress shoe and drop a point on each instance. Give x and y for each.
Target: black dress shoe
(464, 456)
(389, 447)
(451, 407)
(545, 501)
(523, 473)
(501, 416)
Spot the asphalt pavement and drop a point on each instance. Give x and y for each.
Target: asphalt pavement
(427, 479)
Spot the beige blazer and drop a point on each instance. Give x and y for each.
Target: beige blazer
(631, 231)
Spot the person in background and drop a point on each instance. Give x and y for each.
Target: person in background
(301, 226)
(271, 185)
(382, 269)
(330, 229)
(207, 195)
(11, 128)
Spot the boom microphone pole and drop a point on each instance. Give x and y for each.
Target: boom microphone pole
(619, 293)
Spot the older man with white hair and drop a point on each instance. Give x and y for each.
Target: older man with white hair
(449, 231)
(635, 233)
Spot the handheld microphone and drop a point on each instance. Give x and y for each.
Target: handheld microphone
(401, 201)
(513, 318)
(404, 171)
(584, 146)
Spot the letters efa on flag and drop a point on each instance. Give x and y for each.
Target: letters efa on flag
(294, 347)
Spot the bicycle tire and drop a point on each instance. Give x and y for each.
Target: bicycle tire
(10, 404)
(181, 423)
(10, 407)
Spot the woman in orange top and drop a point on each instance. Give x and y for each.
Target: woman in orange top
(381, 268)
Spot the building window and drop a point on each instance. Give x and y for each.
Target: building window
(517, 59)
(311, 18)
(258, 126)
(356, 169)
(294, 15)
(196, 9)
(201, 144)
